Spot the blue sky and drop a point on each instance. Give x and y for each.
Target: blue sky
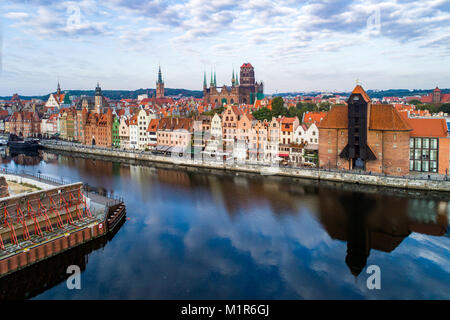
(293, 45)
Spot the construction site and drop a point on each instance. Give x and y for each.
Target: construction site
(42, 217)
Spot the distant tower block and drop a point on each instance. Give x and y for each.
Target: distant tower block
(160, 85)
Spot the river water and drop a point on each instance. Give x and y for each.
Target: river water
(203, 235)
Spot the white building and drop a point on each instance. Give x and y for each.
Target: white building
(134, 132)
(303, 134)
(216, 126)
(144, 118)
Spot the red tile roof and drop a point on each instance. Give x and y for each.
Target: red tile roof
(386, 118)
(428, 127)
(314, 117)
(382, 117)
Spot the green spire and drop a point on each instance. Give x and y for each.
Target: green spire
(212, 82)
(215, 83)
(160, 81)
(204, 79)
(237, 79)
(232, 79)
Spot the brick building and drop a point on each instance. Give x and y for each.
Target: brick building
(25, 123)
(98, 128)
(245, 92)
(364, 136)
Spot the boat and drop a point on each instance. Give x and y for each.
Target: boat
(16, 143)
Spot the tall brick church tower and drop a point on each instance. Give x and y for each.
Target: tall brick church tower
(159, 85)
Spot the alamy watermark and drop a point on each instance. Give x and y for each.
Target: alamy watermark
(374, 280)
(74, 280)
(73, 16)
(374, 22)
(237, 151)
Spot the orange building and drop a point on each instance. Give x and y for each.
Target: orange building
(25, 123)
(364, 136)
(97, 128)
(378, 138)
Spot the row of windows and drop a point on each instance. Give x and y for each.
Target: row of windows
(425, 166)
(423, 143)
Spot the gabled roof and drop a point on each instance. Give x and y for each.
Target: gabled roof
(386, 117)
(360, 90)
(153, 125)
(336, 118)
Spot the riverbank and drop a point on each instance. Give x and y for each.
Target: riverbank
(305, 173)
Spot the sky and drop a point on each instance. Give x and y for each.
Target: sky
(325, 45)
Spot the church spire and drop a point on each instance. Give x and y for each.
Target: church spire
(58, 89)
(160, 80)
(204, 79)
(237, 79)
(215, 83)
(212, 81)
(233, 81)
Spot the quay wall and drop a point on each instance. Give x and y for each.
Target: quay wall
(50, 248)
(352, 178)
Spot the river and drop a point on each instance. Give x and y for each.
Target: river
(204, 235)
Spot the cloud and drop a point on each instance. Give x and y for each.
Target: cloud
(51, 23)
(16, 15)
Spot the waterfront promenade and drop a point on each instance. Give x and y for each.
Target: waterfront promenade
(432, 183)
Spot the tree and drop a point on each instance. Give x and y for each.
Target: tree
(430, 107)
(293, 112)
(415, 102)
(212, 112)
(445, 108)
(278, 108)
(263, 114)
(324, 106)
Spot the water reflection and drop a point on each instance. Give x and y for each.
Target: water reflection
(206, 234)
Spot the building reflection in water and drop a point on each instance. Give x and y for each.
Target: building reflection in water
(377, 221)
(28, 158)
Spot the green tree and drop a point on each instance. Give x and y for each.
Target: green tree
(415, 102)
(263, 113)
(278, 108)
(212, 112)
(430, 107)
(324, 106)
(293, 112)
(445, 108)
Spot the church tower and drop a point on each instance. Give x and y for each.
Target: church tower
(436, 98)
(98, 99)
(159, 85)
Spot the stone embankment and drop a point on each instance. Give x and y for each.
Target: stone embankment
(407, 182)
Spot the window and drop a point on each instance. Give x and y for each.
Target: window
(418, 143)
(434, 144)
(417, 166)
(433, 155)
(425, 143)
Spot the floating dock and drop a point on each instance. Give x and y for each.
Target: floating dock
(41, 224)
